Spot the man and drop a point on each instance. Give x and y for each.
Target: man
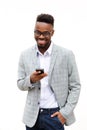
(52, 94)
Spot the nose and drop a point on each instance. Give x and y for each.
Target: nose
(41, 36)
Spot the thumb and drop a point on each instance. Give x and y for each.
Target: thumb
(55, 114)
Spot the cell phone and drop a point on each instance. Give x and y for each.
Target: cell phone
(40, 71)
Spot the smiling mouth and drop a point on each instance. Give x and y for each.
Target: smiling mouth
(41, 42)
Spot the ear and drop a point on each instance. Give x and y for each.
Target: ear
(52, 33)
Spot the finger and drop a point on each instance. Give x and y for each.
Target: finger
(44, 74)
(36, 72)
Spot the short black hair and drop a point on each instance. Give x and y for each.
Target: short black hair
(47, 18)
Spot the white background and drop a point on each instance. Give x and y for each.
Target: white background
(17, 19)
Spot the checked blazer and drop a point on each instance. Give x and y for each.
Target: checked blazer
(63, 78)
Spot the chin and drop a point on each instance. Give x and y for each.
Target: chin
(41, 46)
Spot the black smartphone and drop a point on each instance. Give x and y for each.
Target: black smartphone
(40, 71)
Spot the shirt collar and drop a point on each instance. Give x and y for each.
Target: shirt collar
(48, 51)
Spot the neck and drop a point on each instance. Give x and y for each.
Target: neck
(43, 49)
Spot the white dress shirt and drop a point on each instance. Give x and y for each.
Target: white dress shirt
(47, 99)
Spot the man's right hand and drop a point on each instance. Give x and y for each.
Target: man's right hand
(36, 76)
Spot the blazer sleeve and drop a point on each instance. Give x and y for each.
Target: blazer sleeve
(73, 86)
(23, 81)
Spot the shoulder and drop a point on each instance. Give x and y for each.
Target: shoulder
(28, 51)
(62, 51)
(27, 54)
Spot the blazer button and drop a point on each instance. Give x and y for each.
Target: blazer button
(38, 103)
(39, 88)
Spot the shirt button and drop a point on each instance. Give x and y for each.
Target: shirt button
(39, 88)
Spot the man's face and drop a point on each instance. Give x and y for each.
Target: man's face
(42, 33)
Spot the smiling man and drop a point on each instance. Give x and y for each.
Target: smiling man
(43, 33)
(49, 73)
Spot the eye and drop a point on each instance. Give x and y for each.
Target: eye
(46, 33)
(37, 33)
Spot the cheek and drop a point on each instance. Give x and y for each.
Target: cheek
(35, 37)
(48, 39)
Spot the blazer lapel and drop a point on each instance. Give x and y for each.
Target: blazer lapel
(53, 59)
(35, 61)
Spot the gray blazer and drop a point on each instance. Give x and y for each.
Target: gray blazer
(63, 78)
